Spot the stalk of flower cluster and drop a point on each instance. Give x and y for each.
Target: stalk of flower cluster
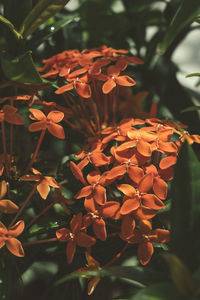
(40, 242)
(86, 117)
(36, 149)
(25, 203)
(41, 213)
(4, 148)
(112, 261)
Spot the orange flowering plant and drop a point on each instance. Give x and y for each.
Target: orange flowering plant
(95, 180)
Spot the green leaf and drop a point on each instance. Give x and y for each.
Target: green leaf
(191, 108)
(42, 11)
(185, 211)
(185, 15)
(10, 26)
(158, 291)
(192, 75)
(20, 69)
(138, 275)
(48, 31)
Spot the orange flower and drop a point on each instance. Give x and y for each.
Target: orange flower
(7, 237)
(47, 122)
(145, 236)
(44, 182)
(92, 264)
(6, 206)
(113, 79)
(75, 236)
(9, 114)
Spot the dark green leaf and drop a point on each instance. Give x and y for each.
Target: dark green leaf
(185, 212)
(191, 108)
(41, 12)
(138, 275)
(185, 15)
(10, 26)
(20, 69)
(48, 31)
(158, 291)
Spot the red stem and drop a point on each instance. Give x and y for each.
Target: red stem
(36, 149)
(25, 203)
(4, 148)
(116, 257)
(40, 242)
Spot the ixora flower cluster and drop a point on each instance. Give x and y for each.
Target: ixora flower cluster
(124, 171)
(124, 168)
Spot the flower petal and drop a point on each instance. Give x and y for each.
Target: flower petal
(127, 189)
(56, 130)
(37, 126)
(128, 225)
(129, 206)
(125, 80)
(37, 114)
(77, 172)
(99, 228)
(15, 247)
(109, 209)
(151, 201)
(83, 89)
(135, 174)
(85, 240)
(63, 234)
(99, 194)
(84, 192)
(65, 88)
(108, 86)
(8, 207)
(160, 188)
(144, 148)
(145, 252)
(55, 116)
(70, 251)
(43, 189)
(146, 183)
(16, 229)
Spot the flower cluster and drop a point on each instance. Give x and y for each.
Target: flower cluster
(96, 75)
(125, 173)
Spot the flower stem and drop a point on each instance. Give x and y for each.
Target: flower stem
(23, 206)
(41, 213)
(36, 149)
(116, 257)
(40, 242)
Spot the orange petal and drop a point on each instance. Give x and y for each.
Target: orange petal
(145, 226)
(51, 181)
(168, 147)
(108, 86)
(99, 194)
(65, 88)
(109, 209)
(99, 228)
(90, 204)
(151, 201)
(76, 222)
(16, 229)
(84, 192)
(43, 189)
(125, 80)
(93, 177)
(37, 114)
(127, 189)
(77, 172)
(8, 207)
(92, 284)
(144, 213)
(144, 148)
(37, 126)
(116, 171)
(168, 161)
(129, 206)
(146, 183)
(3, 188)
(145, 252)
(128, 225)
(85, 240)
(14, 118)
(160, 236)
(99, 159)
(160, 188)
(83, 89)
(55, 116)
(15, 247)
(136, 237)
(135, 174)
(2, 242)
(63, 234)
(56, 130)
(70, 251)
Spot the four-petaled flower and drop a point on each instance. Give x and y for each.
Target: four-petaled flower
(47, 122)
(8, 238)
(75, 236)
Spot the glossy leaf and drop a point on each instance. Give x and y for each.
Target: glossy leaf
(193, 75)
(191, 108)
(42, 11)
(20, 69)
(185, 210)
(185, 15)
(158, 291)
(11, 27)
